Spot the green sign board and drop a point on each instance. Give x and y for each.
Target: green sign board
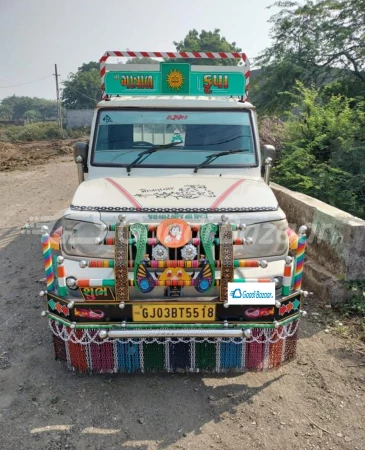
(175, 79)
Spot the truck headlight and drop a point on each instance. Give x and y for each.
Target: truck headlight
(269, 239)
(81, 238)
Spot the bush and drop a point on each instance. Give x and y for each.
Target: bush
(323, 150)
(31, 132)
(39, 131)
(79, 132)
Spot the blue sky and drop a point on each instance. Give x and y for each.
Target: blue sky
(36, 34)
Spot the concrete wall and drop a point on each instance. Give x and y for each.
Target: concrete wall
(336, 242)
(76, 118)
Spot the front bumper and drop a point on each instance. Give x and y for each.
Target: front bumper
(114, 315)
(97, 329)
(226, 345)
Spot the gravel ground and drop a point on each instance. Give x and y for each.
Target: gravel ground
(314, 402)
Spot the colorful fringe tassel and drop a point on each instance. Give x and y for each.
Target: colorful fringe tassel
(264, 351)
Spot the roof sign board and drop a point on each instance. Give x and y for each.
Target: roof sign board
(176, 79)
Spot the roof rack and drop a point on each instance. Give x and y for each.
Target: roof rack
(175, 78)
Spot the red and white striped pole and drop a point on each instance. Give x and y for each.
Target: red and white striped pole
(285, 290)
(62, 288)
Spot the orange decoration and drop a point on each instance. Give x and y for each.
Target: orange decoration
(173, 233)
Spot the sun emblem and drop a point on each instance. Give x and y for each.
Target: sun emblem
(175, 79)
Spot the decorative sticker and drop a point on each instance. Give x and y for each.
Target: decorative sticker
(96, 294)
(289, 307)
(56, 306)
(107, 119)
(89, 313)
(189, 191)
(257, 313)
(218, 84)
(175, 78)
(174, 233)
(136, 82)
(177, 216)
(217, 81)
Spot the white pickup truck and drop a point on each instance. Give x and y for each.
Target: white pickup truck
(173, 254)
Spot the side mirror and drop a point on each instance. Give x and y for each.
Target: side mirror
(268, 151)
(81, 150)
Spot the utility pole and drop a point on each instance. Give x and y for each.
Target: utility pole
(59, 108)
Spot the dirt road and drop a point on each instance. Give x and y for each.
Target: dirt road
(315, 402)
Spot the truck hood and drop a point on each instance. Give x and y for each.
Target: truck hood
(171, 194)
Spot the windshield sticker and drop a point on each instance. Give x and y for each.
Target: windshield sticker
(189, 191)
(174, 118)
(177, 137)
(177, 117)
(107, 119)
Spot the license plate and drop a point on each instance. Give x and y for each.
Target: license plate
(173, 313)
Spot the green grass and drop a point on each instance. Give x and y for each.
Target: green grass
(354, 309)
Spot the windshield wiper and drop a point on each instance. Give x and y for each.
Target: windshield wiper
(212, 158)
(149, 152)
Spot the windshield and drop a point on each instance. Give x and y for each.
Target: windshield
(122, 135)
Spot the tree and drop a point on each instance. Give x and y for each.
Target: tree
(82, 89)
(315, 42)
(32, 116)
(90, 66)
(16, 108)
(18, 105)
(5, 112)
(210, 41)
(47, 108)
